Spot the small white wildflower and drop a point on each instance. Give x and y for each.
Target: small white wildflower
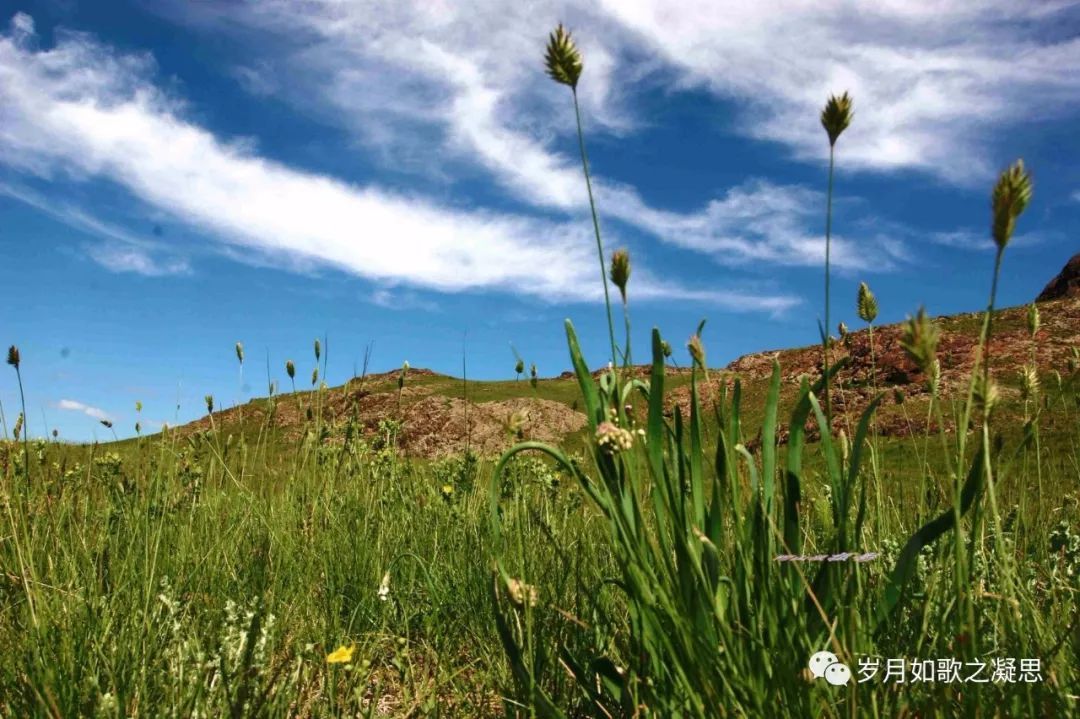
(384, 588)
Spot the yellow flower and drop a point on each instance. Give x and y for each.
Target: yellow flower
(341, 655)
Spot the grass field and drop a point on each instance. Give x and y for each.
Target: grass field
(256, 570)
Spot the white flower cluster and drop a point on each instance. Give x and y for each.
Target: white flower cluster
(611, 438)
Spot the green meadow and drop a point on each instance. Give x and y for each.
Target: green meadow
(249, 568)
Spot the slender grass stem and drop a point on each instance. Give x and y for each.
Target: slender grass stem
(596, 228)
(828, 248)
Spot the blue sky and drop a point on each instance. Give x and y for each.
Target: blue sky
(176, 177)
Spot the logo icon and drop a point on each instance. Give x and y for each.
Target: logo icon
(827, 665)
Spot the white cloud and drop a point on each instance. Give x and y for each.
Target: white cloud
(470, 80)
(81, 110)
(931, 80)
(934, 81)
(125, 258)
(93, 412)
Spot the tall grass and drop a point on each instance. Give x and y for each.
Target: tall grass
(713, 625)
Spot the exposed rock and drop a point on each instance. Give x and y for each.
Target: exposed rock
(1066, 284)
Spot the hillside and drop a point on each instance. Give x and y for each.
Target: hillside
(436, 421)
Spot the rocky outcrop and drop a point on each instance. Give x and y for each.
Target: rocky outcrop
(1066, 284)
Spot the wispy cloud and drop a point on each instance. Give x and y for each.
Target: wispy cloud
(83, 110)
(125, 258)
(396, 300)
(982, 241)
(93, 412)
(121, 250)
(472, 83)
(935, 82)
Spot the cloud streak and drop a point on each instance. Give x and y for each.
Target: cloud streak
(83, 111)
(92, 412)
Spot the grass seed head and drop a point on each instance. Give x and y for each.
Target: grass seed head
(620, 271)
(209, 403)
(562, 60)
(836, 116)
(665, 347)
(986, 395)
(1033, 319)
(533, 376)
(697, 350)
(522, 594)
(1011, 195)
(519, 368)
(18, 426)
(919, 340)
(240, 352)
(314, 376)
(106, 423)
(867, 304)
(318, 350)
(1029, 383)
(13, 356)
(290, 369)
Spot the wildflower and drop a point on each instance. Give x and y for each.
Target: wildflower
(341, 655)
(620, 271)
(836, 116)
(1011, 195)
(612, 439)
(562, 60)
(318, 350)
(13, 356)
(240, 352)
(290, 369)
(447, 491)
(697, 350)
(209, 403)
(384, 588)
(522, 594)
(1032, 319)
(920, 339)
(867, 304)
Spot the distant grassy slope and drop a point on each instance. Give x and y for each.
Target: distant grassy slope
(436, 420)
